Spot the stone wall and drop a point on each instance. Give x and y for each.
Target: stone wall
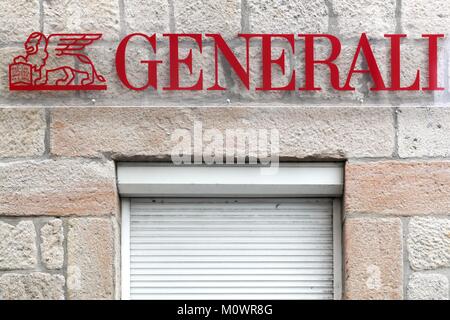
(59, 206)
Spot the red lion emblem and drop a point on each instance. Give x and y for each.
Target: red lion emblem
(54, 62)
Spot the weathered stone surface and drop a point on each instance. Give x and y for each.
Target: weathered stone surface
(425, 17)
(31, 286)
(268, 16)
(214, 16)
(17, 246)
(314, 132)
(52, 250)
(375, 17)
(57, 187)
(429, 243)
(373, 258)
(424, 132)
(22, 132)
(18, 20)
(442, 98)
(424, 286)
(101, 16)
(90, 254)
(397, 187)
(146, 16)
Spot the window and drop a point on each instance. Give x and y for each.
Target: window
(230, 233)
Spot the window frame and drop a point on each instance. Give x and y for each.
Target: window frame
(332, 189)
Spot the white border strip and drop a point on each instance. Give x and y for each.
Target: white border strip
(303, 180)
(337, 248)
(125, 253)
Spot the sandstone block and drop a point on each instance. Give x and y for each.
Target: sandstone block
(90, 247)
(31, 286)
(57, 187)
(423, 286)
(17, 246)
(52, 239)
(398, 187)
(373, 258)
(22, 132)
(429, 243)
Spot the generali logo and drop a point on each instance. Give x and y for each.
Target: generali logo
(54, 62)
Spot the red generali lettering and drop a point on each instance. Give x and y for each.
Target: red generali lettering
(43, 67)
(241, 67)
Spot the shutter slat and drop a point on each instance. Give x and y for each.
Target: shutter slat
(234, 296)
(231, 258)
(221, 239)
(228, 278)
(233, 284)
(169, 234)
(243, 228)
(230, 246)
(248, 253)
(221, 264)
(322, 270)
(231, 249)
(233, 290)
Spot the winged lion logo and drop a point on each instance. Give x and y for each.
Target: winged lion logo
(55, 63)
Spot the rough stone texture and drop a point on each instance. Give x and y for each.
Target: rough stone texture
(424, 132)
(423, 286)
(375, 17)
(17, 246)
(18, 20)
(442, 98)
(213, 16)
(90, 254)
(57, 187)
(279, 16)
(373, 258)
(22, 132)
(31, 286)
(397, 187)
(422, 17)
(136, 132)
(146, 16)
(429, 243)
(52, 250)
(101, 16)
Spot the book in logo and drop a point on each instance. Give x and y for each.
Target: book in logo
(54, 62)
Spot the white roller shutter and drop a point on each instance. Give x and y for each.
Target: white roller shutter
(230, 248)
